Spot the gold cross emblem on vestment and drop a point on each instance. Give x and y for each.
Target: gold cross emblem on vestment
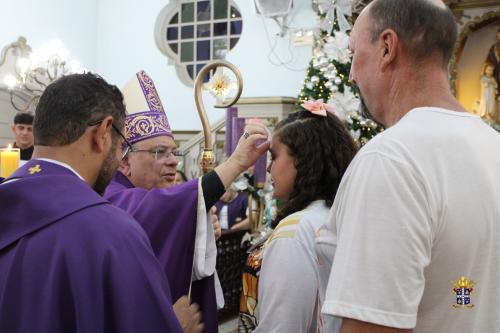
(34, 169)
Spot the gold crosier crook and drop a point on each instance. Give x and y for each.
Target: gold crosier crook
(207, 159)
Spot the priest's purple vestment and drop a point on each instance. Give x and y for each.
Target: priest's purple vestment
(169, 216)
(72, 262)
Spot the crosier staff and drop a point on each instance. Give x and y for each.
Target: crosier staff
(219, 85)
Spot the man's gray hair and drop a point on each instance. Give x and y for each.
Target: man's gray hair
(424, 27)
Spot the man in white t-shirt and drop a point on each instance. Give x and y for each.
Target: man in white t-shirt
(415, 227)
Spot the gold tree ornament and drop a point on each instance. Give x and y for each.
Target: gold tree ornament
(220, 85)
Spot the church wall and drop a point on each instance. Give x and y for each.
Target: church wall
(116, 38)
(126, 44)
(73, 22)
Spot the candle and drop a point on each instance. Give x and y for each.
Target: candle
(231, 113)
(9, 161)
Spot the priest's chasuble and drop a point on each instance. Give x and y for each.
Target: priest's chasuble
(72, 262)
(182, 237)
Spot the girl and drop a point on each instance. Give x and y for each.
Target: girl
(310, 150)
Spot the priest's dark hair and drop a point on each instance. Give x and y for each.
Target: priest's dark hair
(424, 27)
(71, 103)
(322, 148)
(23, 118)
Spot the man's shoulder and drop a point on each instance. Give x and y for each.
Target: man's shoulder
(105, 220)
(423, 128)
(388, 140)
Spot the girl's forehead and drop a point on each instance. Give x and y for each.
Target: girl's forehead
(275, 140)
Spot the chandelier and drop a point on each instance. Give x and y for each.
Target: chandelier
(34, 71)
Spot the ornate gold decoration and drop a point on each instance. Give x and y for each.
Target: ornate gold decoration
(150, 93)
(145, 125)
(475, 24)
(207, 160)
(456, 5)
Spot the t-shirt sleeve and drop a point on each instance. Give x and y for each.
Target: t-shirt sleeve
(382, 222)
(287, 288)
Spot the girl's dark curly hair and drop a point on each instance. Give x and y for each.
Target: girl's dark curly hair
(323, 149)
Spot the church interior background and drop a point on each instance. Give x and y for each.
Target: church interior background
(279, 49)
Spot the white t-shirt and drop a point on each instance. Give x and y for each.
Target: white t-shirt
(290, 294)
(418, 208)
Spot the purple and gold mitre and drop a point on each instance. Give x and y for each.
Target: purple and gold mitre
(145, 125)
(146, 117)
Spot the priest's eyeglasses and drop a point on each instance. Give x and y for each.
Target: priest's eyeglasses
(159, 152)
(125, 141)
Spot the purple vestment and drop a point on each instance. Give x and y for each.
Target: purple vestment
(72, 262)
(169, 218)
(235, 208)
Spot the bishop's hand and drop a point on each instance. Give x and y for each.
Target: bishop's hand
(188, 314)
(254, 142)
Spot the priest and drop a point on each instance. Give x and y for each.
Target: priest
(175, 218)
(69, 260)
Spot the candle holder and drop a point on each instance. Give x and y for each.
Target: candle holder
(9, 161)
(256, 207)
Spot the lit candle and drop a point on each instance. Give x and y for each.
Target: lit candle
(9, 161)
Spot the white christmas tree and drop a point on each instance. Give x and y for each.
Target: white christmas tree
(328, 73)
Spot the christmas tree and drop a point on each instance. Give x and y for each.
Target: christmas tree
(328, 72)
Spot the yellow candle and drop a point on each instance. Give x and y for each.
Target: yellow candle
(9, 161)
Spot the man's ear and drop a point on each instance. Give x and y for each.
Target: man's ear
(389, 42)
(13, 129)
(102, 136)
(124, 167)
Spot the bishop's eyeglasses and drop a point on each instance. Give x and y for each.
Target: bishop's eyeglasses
(159, 152)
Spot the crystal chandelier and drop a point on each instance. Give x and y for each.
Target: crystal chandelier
(34, 71)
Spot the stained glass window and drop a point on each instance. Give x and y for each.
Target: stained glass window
(204, 10)
(199, 31)
(187, 12)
